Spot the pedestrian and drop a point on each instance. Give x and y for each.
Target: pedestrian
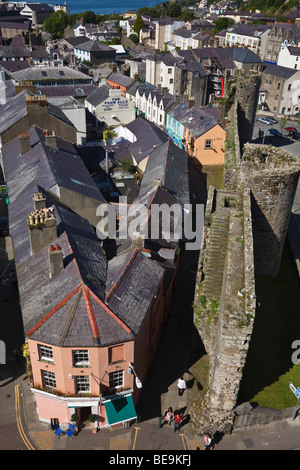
(181, 384)
(207, 441)
(177, 421)
(168, 414)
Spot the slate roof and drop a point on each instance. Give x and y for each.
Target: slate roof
(70, 309)
(200, 120)
(98, 95)
(294, 50)
(132, 295)
(239, 54)
(94, 46)
(219, 54)
(183, 32)
(279, 71)
(77, 91)
(39, 7)
(50, 73)
(15, 109)
(169, 164)
(120, 79)
(250, 30)
(148, 138)
(45, 167)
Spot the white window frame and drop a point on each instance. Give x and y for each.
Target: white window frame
(45, 353)
(82, 383)
(49, 380)
(116, 379)
(77, 362)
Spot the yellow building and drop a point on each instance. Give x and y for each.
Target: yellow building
(208, 148)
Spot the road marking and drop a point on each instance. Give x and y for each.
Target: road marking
(136, 429)
(18, 417)
(183, 441)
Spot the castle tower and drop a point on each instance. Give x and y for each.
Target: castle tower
(247, 90)
(272, 176)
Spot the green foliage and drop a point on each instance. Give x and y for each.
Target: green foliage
(109, 134)
(127, 165)
(138, 24)
(174, 10)
(89, 17)
(56, 24)
(222, 23)
(134, 38)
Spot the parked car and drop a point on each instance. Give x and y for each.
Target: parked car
(290, 129)
(294, 135)
(264, 120)
(273, 121)
(274, 132)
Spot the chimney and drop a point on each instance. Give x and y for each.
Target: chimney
(42, 229)
(36, 105)
(137, 241)
(156, 183)
(24, 141)
(56, 260)
(39, 202)
(191, 102)
(50, 139)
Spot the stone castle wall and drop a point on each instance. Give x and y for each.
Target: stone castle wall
(241, 225)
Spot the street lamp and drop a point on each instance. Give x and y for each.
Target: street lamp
(137, 380)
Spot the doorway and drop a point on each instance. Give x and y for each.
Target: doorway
(83, 414)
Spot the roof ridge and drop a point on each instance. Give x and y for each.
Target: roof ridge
(108, 310)
(70, 317)
(126, 267)
(54, 310)
(89, 308)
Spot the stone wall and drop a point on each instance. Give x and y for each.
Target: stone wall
(272, 176)
(245, 228)
(224, 307)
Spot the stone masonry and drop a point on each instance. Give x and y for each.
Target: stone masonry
(245, 228)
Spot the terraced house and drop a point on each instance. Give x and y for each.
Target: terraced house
(91, 316)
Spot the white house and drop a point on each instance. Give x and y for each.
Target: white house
(109, 106)
(253, 37)
(153, 105)
(160, 70)
(289, 57)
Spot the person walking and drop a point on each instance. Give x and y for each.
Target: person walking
(181, 384)
(207, 441)
(168, 414)
(177, 421)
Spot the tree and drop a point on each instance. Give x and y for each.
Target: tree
(109, 134)
(138, 24)
(89, 17)
(134, 38)
(222, 23)
(174, 10)
(56, 24)
(127, 165)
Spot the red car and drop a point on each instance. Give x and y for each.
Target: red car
(290, 129)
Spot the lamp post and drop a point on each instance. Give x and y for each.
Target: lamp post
(137, 380)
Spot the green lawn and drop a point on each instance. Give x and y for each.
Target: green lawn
(269, 366)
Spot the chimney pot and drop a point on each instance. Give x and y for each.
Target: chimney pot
(56, 260)
(24, 142)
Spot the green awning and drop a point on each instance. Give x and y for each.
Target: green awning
(119, 410)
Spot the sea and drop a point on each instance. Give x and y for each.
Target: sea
(102, 7)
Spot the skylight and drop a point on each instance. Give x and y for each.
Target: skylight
(77, 181)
